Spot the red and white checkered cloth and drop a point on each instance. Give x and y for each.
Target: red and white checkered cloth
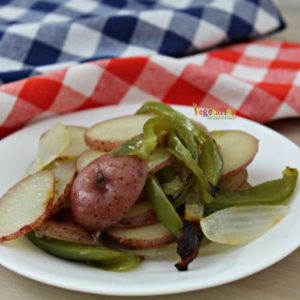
(260, 80)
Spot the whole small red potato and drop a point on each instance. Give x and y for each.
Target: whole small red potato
(106, 189)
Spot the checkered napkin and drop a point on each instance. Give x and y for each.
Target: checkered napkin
(39, 36)
(260, 80)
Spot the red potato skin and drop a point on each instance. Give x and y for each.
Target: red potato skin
(236, 171)
(25, 229)
(144, 244)
(246, 185)
(135, 243)
(147, 218)
(59, 202)
(66, 231)
(102, 145)
(106, 189)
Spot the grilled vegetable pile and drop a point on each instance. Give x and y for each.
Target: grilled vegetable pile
(142, 181)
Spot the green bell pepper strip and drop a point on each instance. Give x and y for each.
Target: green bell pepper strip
(211, 161)
(173, 186)
(166, 174)
(163, 208)
(160, 109)
(191, 196)
(130, 147)
(177, 149)
(184, 127)
(192, 186)
(77, 252)
(180, 200)
(143, 146)
(118, 265)
(274, 192)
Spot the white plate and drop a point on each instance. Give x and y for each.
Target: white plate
(154, 277)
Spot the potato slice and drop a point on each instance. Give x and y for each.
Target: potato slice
(109, 134)
(238, 148)
(77, 142)
(66, 231)
(141, 214)
(142, 237)
(245, 186)
(86, 158)
(64, 173)
(159, 159)
(26, 205)
(51, 146)
(234, 182)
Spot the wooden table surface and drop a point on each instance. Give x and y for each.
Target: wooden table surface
(279, 282)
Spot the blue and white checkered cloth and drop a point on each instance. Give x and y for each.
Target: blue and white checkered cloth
(39, 36)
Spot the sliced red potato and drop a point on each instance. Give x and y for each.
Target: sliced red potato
(86, 158)
(238, 148)
(245, 186)
(141, 207)
(141, 214)
(64, 174)
(109, 134)
(26, 205)
(77, 142)
(159, 159)
(66, 231)
(51, 146)
(141, 237)
(234, 182)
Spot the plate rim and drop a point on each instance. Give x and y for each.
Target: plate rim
(188, 286)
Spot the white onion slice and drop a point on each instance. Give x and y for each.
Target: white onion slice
(241, 225)
(77, 142)
(52, 144)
